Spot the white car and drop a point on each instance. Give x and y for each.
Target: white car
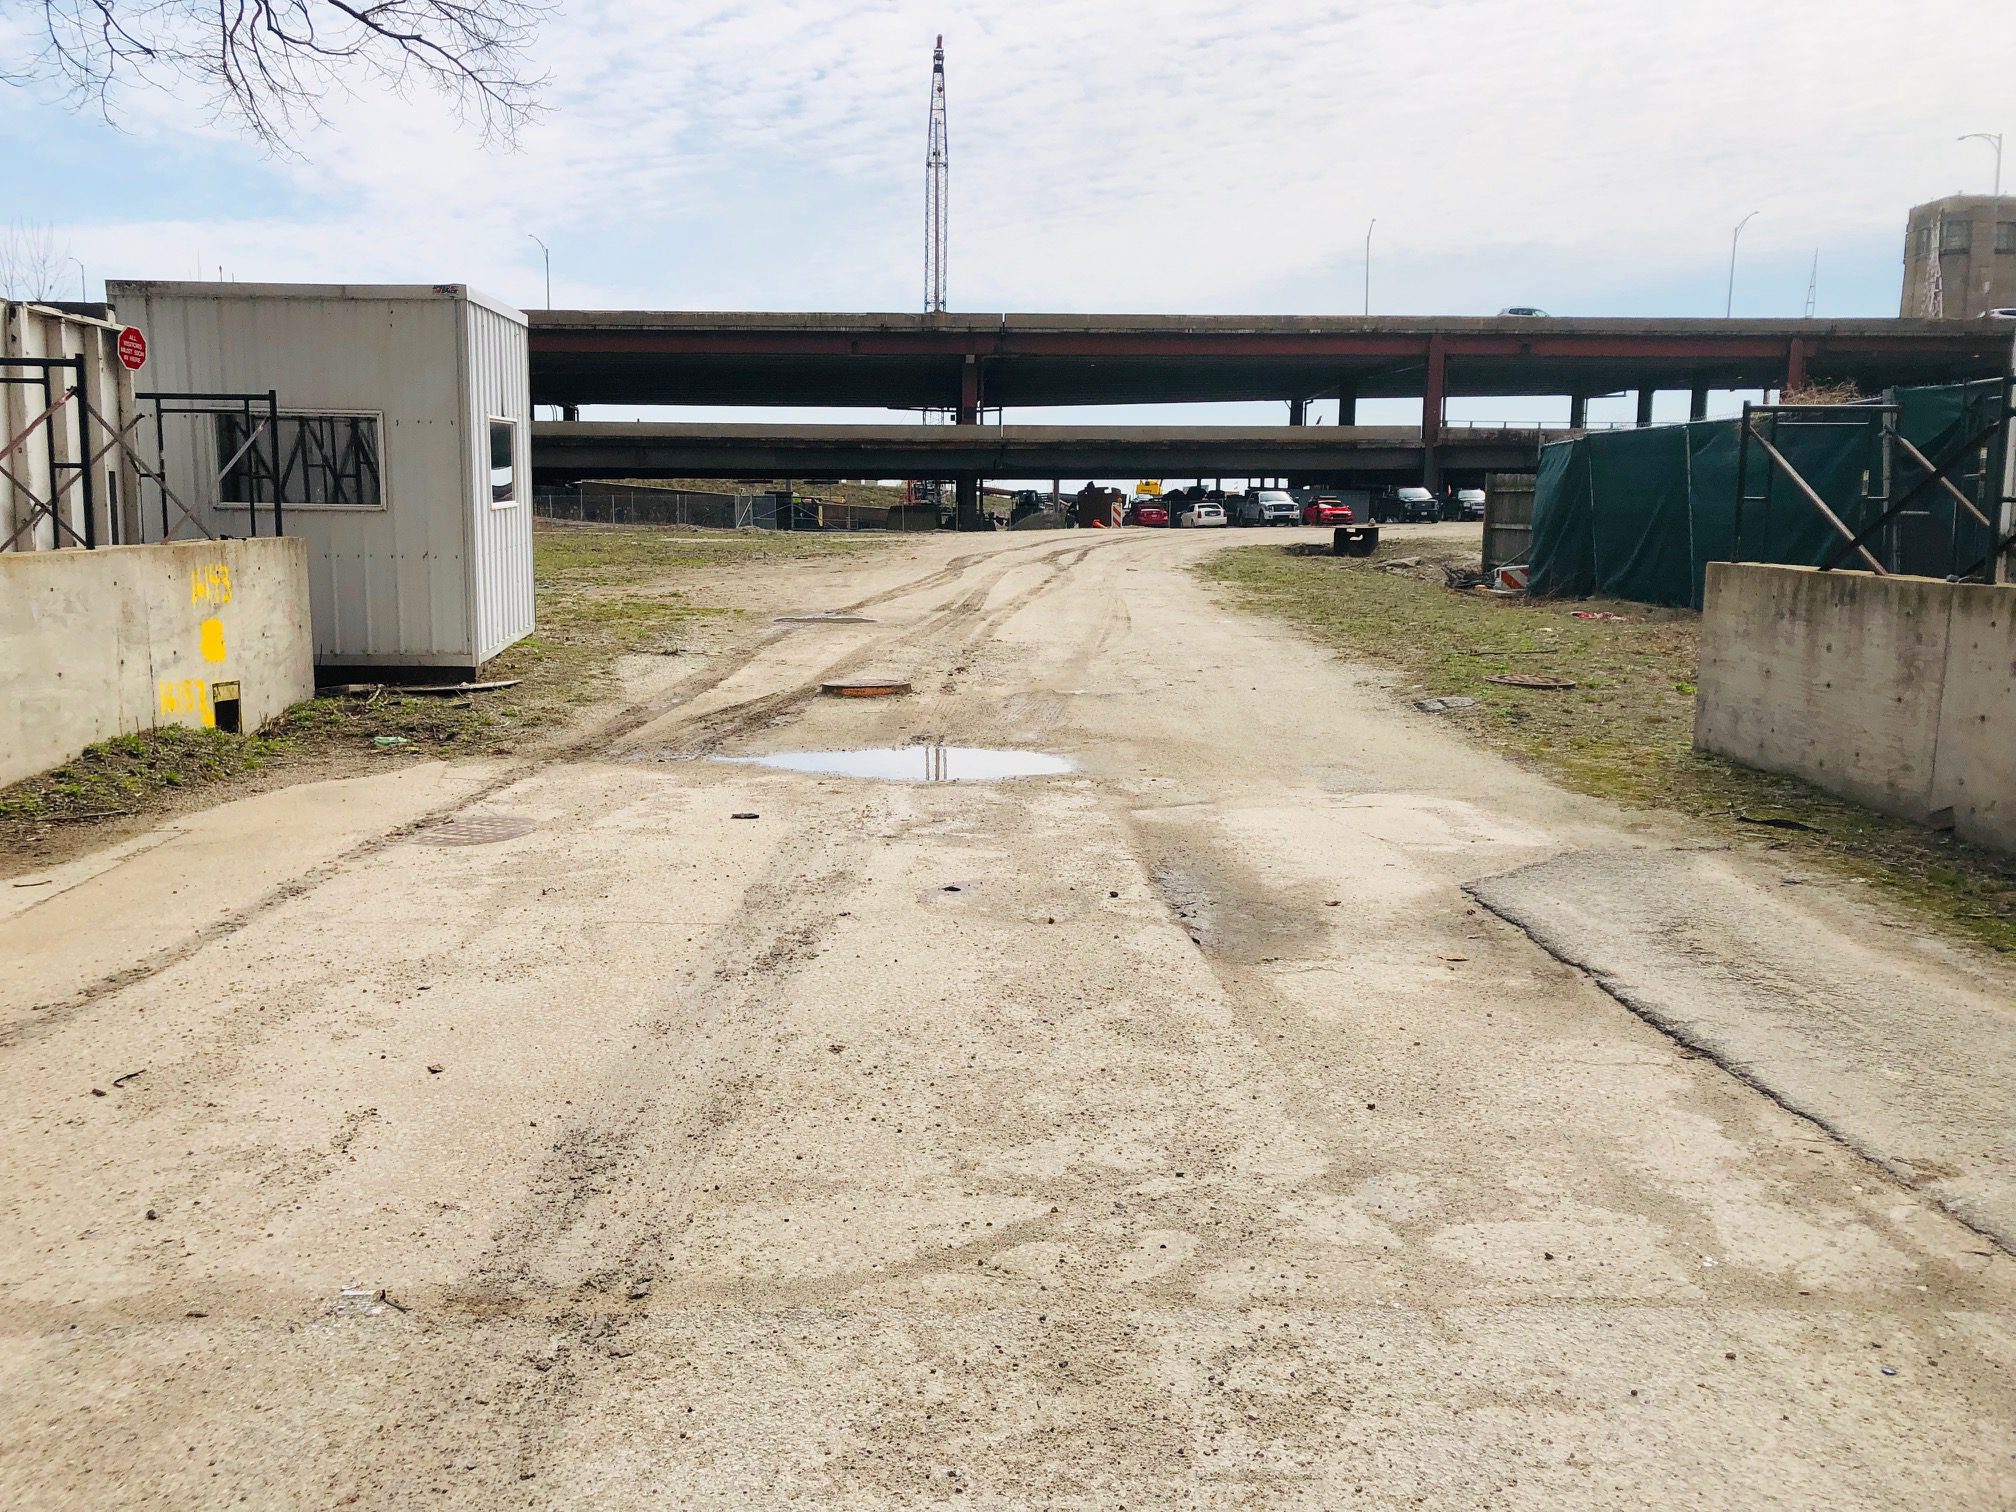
(1529, 312)
(2007, 312)
(1202, 516)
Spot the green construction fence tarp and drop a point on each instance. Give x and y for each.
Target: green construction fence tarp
(1639, 514)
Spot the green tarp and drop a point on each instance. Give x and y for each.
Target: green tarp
(1639, 514)
(1934, 539)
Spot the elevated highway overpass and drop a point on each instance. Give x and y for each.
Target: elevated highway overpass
(965, 365)
(566, 452)
(973, 362)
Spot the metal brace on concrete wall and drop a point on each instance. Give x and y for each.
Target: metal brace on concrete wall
(53, 404)
(1761, 424)
(1878, 420)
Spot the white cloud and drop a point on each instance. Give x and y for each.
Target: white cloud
(1190, 154)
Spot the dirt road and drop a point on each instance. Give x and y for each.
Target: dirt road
(1176, 1131)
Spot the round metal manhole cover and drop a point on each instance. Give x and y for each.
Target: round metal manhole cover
(477, 829)
(865, 687)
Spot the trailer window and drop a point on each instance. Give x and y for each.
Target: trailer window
(503, 463)
(325, 462)
(1956, 235)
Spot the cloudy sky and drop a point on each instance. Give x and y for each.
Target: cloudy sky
(1185, 155)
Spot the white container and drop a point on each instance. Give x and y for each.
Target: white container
(419, 552)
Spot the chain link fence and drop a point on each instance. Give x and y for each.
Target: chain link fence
(722, 511)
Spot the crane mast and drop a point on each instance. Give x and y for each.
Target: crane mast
(937, 177)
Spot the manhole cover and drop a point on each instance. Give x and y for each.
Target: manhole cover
(865, 687)
(822, 619)
(477, 829)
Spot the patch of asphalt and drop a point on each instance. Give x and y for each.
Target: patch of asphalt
(1915, 1070)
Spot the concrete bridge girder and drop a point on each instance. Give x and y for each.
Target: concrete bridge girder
(563, 452)
(964, 362)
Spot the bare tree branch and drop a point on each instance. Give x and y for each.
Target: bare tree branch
(32, 265)
(269, 65)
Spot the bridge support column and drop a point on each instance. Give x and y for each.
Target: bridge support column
(1434, 400)
(968, 497)
(1298, 411)
(570, 412)
(1645, 407)
(1795, 364)
(969, 392)
(1697, 402)
(1347, 404)
(1578, 412)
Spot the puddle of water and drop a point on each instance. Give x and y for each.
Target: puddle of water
(915, 763)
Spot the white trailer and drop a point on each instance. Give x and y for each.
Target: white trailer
(402, 460)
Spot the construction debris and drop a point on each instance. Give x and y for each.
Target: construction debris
(1530, 680)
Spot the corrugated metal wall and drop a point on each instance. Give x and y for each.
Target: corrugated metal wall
(499, 384)
(403, 584)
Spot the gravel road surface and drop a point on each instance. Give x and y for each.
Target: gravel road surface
(1172, 1131)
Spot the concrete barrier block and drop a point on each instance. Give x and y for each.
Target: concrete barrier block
(1834, 677)
(1976, 766)
(99, 643)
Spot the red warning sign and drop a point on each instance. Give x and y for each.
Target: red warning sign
(133, 348)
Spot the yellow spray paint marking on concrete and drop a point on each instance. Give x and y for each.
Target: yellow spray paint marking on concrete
(211, 634)
(211, 584)
(188, 695)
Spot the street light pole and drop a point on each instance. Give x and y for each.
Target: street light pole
(83, 283)
(1368, 265)
(548, 255)
(1994, 140)
(1729, 304)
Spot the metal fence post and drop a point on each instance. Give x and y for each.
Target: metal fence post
(2002, 563)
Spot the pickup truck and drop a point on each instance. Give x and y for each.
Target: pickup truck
(1412, 505)
(1262, 506)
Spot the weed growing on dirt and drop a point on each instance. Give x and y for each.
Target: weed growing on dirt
(112, 776)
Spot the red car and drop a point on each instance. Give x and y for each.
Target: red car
(1147, 514)
(1326, 512)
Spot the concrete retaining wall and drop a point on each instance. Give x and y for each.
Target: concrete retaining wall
(97, 643)
(1897, 692)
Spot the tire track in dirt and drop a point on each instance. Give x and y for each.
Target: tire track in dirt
(716, 727)
(591, 743)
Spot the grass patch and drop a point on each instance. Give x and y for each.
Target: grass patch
(1625, 732)
(601, 592)
(110, 777)
(574, 556)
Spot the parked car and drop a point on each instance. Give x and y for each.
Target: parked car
(1204, 514)
(1532, 311)
(1142, 512)
(1263, 506)
(1326, 509)
(1469, 503)
(2007, 312)
(1417, 505)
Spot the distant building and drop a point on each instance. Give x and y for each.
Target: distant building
(1960, 257)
